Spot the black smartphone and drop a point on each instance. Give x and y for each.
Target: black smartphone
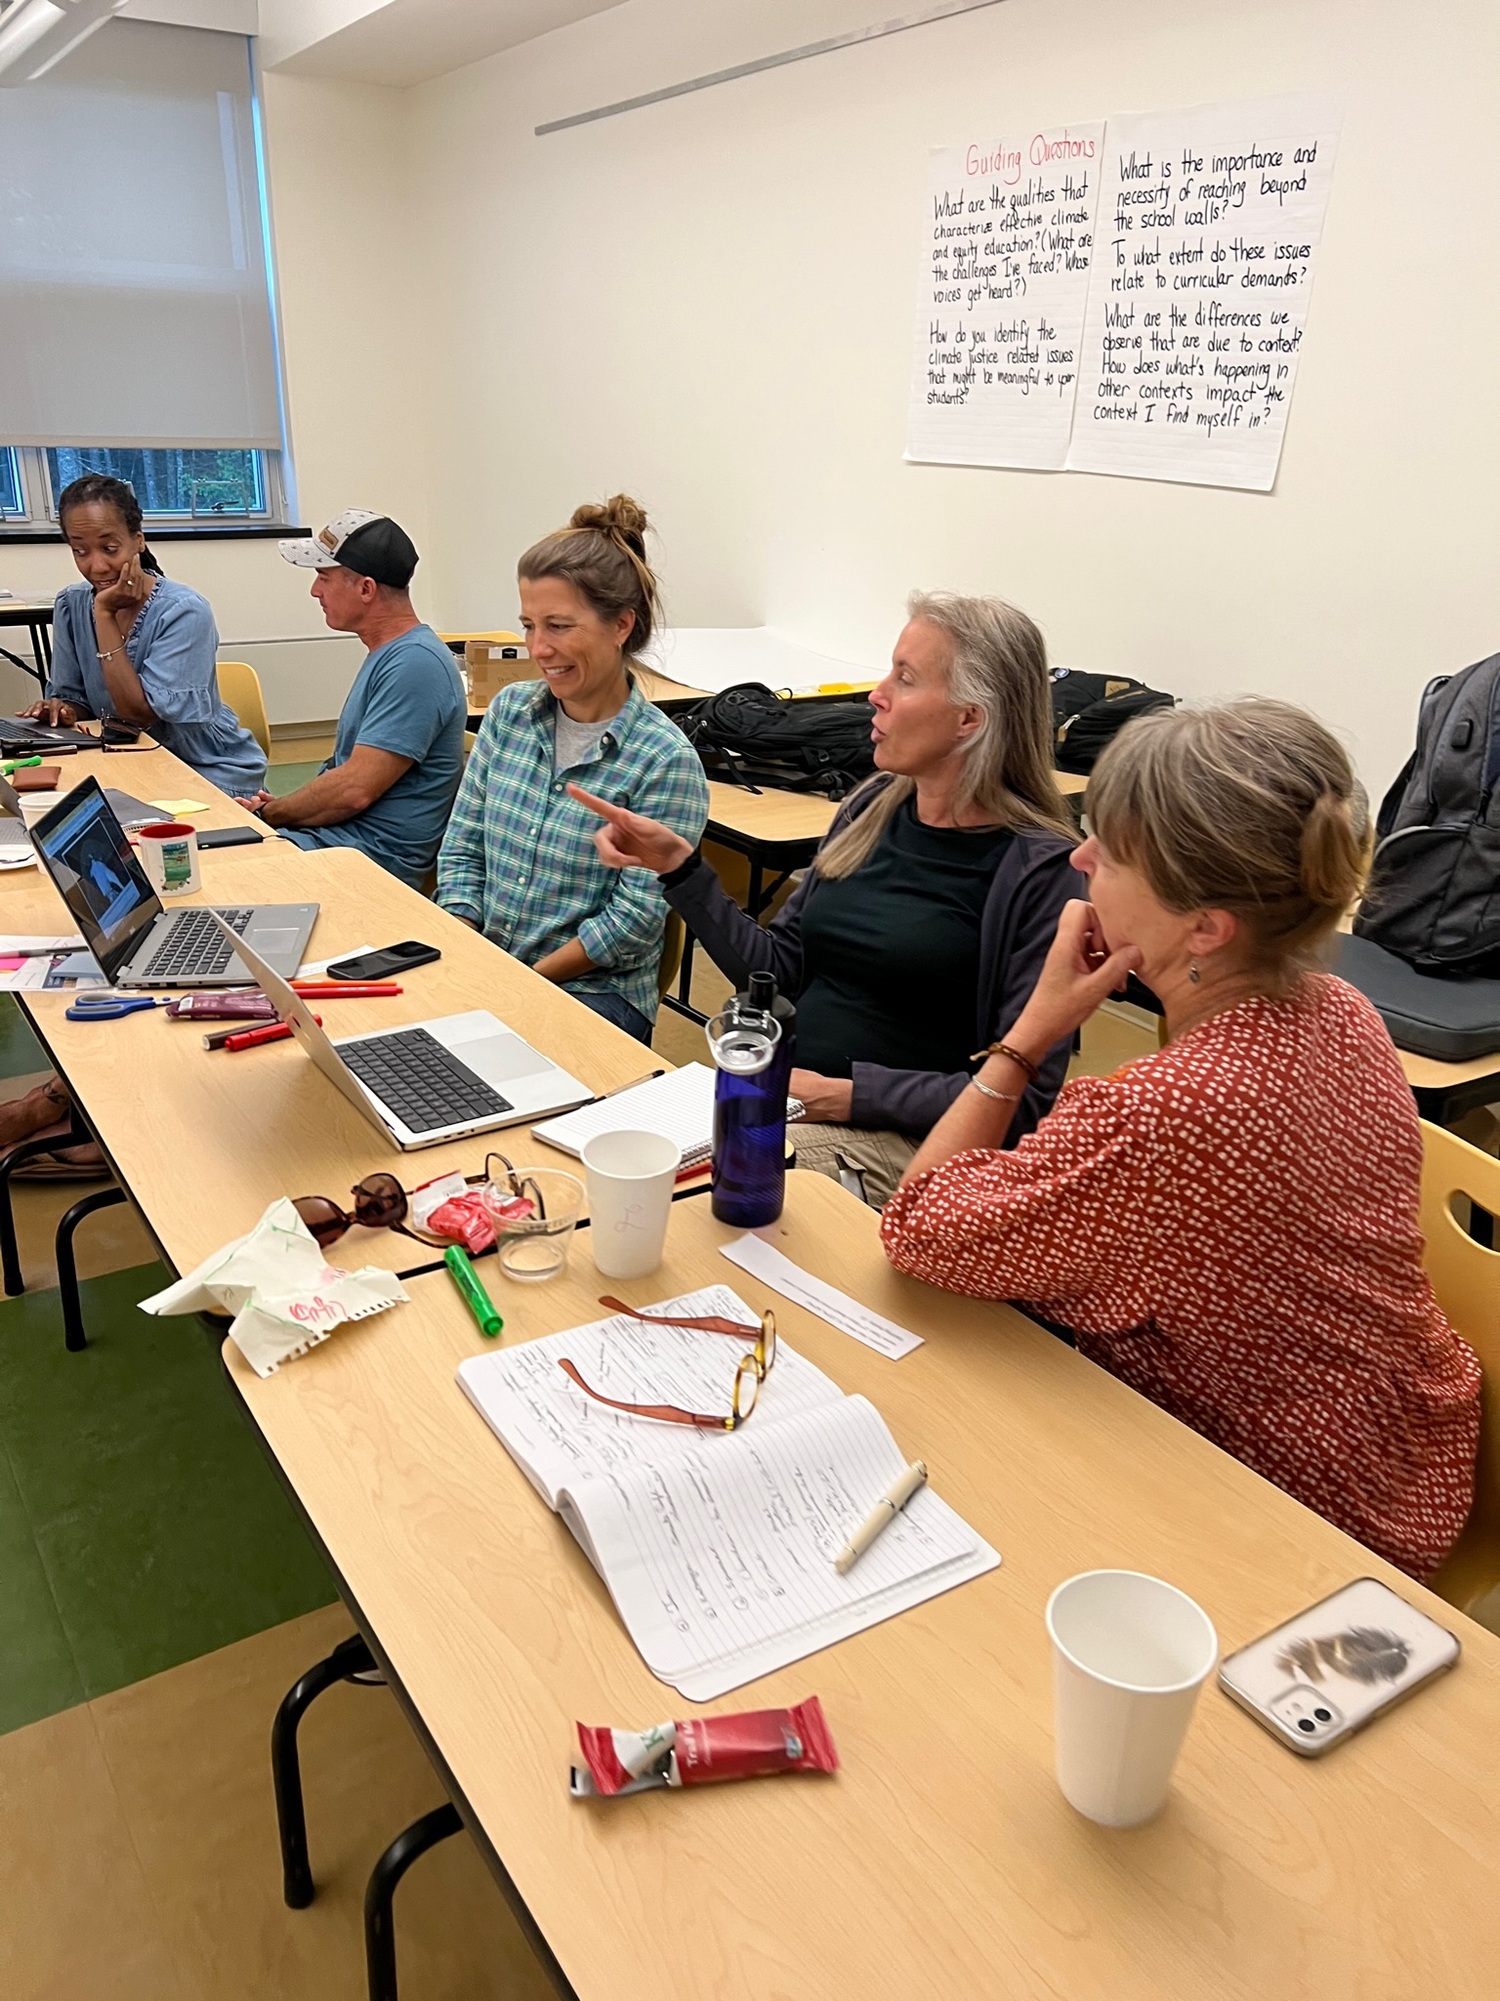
(386, 964)
(228, 837)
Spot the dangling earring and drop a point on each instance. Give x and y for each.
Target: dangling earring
(1193, 974)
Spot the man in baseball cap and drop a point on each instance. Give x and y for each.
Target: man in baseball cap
(398, 756)
(371, 545)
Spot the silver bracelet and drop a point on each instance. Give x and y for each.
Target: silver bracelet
(1000, 1097)
(111, 654)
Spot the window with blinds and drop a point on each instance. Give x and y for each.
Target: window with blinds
(136, 310)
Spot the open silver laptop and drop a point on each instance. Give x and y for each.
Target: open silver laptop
(136, 941)
(433, 1080)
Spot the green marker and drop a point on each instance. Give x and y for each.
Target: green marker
(475, 1297)
(17, 764)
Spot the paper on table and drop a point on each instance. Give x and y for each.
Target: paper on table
(555, 1433)
(20, 975)
(180, 805)
(314, 969)
(765, 1262)
(285, 1297)
(721, 1562)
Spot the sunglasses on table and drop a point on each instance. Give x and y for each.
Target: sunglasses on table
(753, 1368)
(381, 1203)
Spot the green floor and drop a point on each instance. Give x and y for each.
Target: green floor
(284, 778)
(20, 1052)
(140, 1525)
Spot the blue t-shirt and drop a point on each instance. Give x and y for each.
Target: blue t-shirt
(173, 647)
(408, 699)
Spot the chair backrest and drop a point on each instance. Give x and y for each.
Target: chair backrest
(674, 940)
(1465, 1276)
(239, 684)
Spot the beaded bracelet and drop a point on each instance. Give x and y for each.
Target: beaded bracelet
(1004, 1049)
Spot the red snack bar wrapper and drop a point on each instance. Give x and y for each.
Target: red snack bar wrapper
(463, 1219)
(222, 1006)
(752, 1745)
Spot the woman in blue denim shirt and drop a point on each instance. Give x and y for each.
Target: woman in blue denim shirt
(130, 643)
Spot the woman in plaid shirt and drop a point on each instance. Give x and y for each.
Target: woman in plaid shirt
(518, 861)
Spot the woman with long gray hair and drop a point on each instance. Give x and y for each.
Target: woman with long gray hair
(918, 932)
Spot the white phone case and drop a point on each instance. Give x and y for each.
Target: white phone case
(1335, 1667)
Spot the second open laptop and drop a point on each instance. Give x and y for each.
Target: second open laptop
(135, 939)
(435, 1080)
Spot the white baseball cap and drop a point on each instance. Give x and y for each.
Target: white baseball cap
(371, 544)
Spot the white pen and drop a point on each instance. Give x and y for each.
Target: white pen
(885, 1510)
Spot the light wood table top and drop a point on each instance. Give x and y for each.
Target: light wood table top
(177, 1120)
(942, 1861)
(768, 815)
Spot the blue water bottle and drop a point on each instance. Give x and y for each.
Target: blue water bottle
(753, 1043)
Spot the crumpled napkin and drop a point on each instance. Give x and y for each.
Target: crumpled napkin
(285, 1296)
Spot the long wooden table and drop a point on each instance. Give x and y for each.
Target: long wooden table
(941, 1860)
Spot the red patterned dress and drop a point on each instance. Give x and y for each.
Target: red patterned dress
(1230, 1226)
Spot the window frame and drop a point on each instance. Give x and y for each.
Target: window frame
(39, 503)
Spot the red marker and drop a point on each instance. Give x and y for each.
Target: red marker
(252, 1038)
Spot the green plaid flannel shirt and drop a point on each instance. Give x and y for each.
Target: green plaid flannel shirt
(519, 860)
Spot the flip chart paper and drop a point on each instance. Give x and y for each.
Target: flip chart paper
(1209, 223)
(1006, 250)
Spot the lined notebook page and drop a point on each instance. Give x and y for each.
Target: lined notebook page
(679, 1106)
(720, 1559)
(556, 1434)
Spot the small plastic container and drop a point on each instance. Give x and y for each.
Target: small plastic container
(531, 1243)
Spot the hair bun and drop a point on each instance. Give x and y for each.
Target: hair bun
(620, 517)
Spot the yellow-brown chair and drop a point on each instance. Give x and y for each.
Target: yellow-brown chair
(1466, 1278)
(239, 684)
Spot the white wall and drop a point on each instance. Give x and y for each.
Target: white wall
(357, 342)
(709, 302)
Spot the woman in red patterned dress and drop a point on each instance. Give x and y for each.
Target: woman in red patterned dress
(1229, 1225)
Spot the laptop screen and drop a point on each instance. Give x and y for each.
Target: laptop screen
(90, 859)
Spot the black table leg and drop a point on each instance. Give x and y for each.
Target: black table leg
(380, 1892)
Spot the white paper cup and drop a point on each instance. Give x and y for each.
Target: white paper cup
(630, 1179)
(1129, 1654)
(169, 855)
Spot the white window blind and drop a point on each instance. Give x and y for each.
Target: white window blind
(134, 293)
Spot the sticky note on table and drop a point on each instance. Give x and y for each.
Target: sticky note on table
(180, 805)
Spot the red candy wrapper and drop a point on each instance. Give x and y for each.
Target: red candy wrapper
(752, 1745)
(463, 1219)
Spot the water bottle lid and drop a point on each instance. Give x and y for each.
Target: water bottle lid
(763, 992)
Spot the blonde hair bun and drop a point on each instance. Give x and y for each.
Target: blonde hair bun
(1250, 807)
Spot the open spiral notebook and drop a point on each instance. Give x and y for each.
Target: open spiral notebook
(679, 1106)
(718, 1547)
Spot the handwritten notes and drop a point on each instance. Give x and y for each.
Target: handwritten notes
(1209, 224)
(1006, 253)
(1130, 299)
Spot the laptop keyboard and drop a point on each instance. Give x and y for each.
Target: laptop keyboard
(423, 1083)
(195, 946)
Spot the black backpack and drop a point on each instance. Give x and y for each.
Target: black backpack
(751, 736)
(1434, 893)
(1090, 710)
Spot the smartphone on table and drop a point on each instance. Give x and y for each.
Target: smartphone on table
(1337, 1666)
(385, 964)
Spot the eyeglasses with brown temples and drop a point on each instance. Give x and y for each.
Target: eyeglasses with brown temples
(748, 1377)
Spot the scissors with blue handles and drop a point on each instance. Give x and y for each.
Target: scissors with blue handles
(109, 1007)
